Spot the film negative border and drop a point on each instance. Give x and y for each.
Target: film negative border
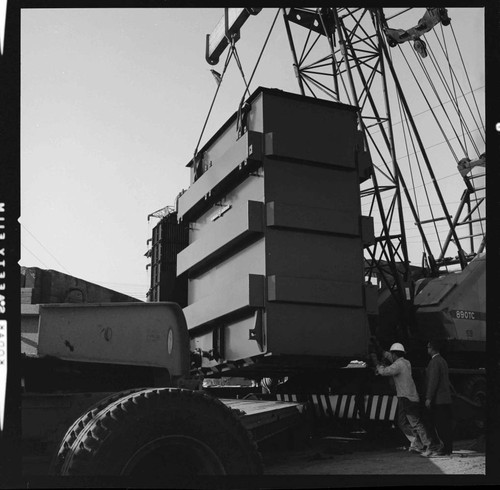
(3, 18)
(3, 369)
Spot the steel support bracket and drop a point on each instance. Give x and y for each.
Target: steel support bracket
(257, 333)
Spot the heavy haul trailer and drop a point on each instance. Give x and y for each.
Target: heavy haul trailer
(108, 392)
(273, 271)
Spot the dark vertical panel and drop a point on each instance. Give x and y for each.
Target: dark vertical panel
(168, 239)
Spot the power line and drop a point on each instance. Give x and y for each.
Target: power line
(37, 258)
(45, 248)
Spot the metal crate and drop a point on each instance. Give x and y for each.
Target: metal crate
(275, 256)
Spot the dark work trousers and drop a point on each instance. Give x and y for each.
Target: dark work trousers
(405, 427)
(411, 410)
(442, 419)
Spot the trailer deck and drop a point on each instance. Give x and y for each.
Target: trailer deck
(264, 418)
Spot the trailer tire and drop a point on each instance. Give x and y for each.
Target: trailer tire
(162, 432)
(474, 388)
(68, 441)
(472, 424)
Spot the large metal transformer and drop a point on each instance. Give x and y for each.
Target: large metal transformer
(275, 255)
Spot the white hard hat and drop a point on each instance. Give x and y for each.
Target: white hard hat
(397, 347)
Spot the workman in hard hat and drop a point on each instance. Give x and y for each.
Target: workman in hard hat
(401, 420)
(408, 399)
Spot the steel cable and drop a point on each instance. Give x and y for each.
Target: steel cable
(263, 47)
(455, 104)
(428, 104)
(420, 171)
(457, 108)
(467, 76)
(238, 62)
(441, 103)
(229, 55)
(445, 51)
(45, 248)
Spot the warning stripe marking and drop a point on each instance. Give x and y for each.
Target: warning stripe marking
(373, 407)
(383, 408)
(376, 407)
(329, 408)
(352, 404)
(343, 404)
(317, 406)
(392, 414)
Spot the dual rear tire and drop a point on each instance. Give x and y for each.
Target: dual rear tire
(159, 433)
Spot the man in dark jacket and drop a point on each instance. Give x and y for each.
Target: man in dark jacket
(438, 398)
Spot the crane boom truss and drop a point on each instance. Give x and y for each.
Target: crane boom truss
(358, 60)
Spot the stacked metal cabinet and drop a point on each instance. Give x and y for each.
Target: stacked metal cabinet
(275, 255)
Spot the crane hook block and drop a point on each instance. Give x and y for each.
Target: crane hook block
(227, 29)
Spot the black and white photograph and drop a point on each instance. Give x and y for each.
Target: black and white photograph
(246, 247)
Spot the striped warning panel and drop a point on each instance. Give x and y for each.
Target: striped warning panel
(381, 407)
(375, 407)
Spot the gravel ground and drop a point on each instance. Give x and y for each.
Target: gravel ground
(329, 455)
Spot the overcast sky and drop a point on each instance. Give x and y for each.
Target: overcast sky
(112, 105)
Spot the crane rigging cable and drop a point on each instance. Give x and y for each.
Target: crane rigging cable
(452, 96)
(445, 51)
(232, 52)
(467, 75)
(428, 103)
(238, 62)
(454, 77)
(470, 87)
(226, 63)
(241, 109)
(436, 107)
(428, 147)
(405, 123)
(441, 103)
(454, 102)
